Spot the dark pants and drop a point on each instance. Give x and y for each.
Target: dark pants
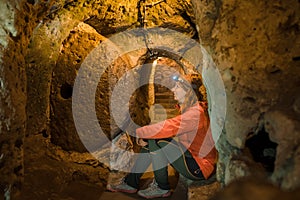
(184, 164)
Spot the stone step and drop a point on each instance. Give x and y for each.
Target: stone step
(162, 89)
(165, 111)
(160, 113)
(164, 106)
(202, 189)
(165, 95)
(166, 102)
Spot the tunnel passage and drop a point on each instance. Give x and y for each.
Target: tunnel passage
(248, 52)
(158, 70)
(161, 98)
(263, 149)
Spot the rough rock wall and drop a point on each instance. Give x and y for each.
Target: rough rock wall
(47, 42)
(112, 17)
(17, 22)
(74, 49)
(43, 52)
(12, 103)
(80, 42)
(255, 45)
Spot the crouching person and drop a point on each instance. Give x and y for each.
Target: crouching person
(185, 142)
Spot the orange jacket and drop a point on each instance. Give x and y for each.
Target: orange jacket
(193, 131)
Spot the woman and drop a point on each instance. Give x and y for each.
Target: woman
(184, 141)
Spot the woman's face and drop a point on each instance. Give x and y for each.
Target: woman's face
(179, 93)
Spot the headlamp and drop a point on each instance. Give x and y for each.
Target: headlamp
(177, 78)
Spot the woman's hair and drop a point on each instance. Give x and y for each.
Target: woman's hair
(191, 84)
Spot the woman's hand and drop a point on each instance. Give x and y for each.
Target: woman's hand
(141, 142)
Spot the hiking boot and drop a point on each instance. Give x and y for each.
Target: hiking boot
(121, 187)
(153, 191)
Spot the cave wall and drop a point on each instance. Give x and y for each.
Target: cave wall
(49, 50)
(107, 18)
(255, 45)
(16, 25)
(13, 100)
(75, 49)
(81, 40)
(43, 52)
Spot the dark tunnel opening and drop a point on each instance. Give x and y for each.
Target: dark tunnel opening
(66, 91)
(263, 149)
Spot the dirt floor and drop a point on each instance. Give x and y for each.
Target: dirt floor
(51, 173)
(54, 174)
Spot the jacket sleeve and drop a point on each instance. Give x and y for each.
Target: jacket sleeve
(186, 122)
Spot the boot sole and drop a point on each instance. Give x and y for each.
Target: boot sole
(156, 196)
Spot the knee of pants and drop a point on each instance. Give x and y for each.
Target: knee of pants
(162, 143)
(153, 146)
(170, 148)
